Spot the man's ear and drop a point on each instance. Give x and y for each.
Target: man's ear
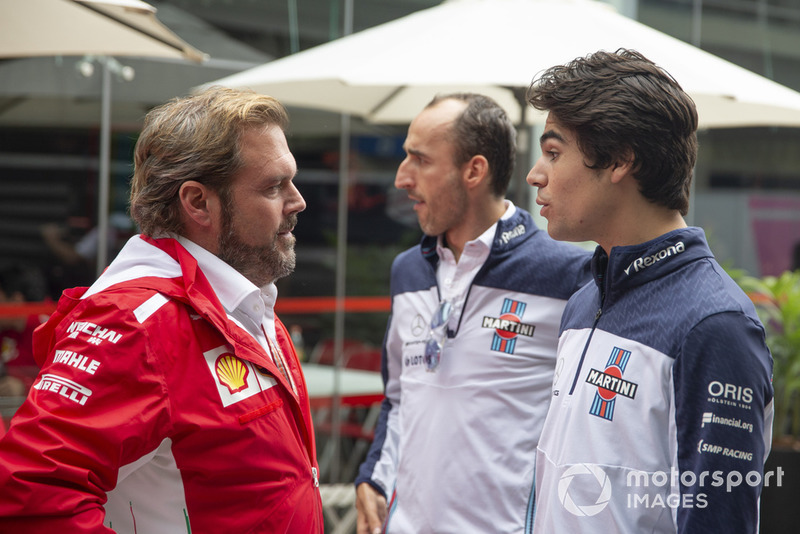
(622, 167)
(476, 171)
(199, 204)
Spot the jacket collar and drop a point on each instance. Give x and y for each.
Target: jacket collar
(631, 266)
(509, 233)
(164, 265)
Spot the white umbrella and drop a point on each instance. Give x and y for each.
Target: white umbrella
(93, 27)
(90, 27)
(389, 72)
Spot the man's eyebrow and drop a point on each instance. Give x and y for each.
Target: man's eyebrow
(551, 134)
(415, 152)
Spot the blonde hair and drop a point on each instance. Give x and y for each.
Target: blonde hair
(193, 138)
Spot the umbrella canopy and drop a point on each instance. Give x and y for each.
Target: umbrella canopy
(81, 27)
(389, 72)
(103, 28)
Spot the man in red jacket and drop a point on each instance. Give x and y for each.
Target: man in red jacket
(170, 397)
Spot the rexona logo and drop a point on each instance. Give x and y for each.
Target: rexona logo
(646, 261)
(511, 234)
(97, 334)
(508, 326)
(578, 501)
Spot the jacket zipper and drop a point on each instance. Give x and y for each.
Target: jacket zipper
(586, 349)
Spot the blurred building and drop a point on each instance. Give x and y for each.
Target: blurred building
(748, 180)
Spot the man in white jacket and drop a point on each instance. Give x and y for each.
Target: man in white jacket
(469, 352)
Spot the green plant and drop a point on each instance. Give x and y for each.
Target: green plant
(777, 300)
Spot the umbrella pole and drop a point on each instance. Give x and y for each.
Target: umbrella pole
(105, 161)
(341, 271)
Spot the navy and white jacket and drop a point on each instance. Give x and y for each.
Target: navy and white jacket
(454, 449)
(661, 412)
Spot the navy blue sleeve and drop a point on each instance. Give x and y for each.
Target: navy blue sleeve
(723, 416)
(375, 450)
(367, 467)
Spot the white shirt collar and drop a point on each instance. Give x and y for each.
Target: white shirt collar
(238, 295)
(485, 239)
(454, 278)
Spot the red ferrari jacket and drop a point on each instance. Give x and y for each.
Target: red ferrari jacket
(155, 413)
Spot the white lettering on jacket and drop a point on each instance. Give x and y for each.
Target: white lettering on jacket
(646, 261)
(64, 387)
(78, 361)
(514, 232)
(97, 334)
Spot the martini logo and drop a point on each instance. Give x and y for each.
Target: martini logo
(508, 326)
(610, 384)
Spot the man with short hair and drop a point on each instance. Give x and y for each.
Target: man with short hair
(171, 398)
(663, 381)
(470, 348)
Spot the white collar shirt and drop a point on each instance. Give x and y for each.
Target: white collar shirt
(455, 277)
(247, 305)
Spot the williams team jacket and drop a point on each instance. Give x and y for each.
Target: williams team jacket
(155, 413)
(661, 412)
(454, 449)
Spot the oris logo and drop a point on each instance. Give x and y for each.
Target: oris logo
(730, 394)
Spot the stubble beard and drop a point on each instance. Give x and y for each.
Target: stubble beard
(449, 212)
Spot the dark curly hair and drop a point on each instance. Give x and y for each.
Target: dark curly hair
(622, 104)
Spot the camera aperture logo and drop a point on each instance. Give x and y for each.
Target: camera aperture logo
(585, 473)
(581, 482)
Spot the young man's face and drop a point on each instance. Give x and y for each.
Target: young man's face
(256, 231)
(576, 200)
(428, 172)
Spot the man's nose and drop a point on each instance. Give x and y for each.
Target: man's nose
(536, 176)
(403, 178)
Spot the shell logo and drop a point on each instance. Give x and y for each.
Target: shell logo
(231, 372)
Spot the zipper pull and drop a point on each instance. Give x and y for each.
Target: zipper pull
(598, 314)
(316, 477)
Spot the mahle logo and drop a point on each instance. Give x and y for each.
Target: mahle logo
(584, 471)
